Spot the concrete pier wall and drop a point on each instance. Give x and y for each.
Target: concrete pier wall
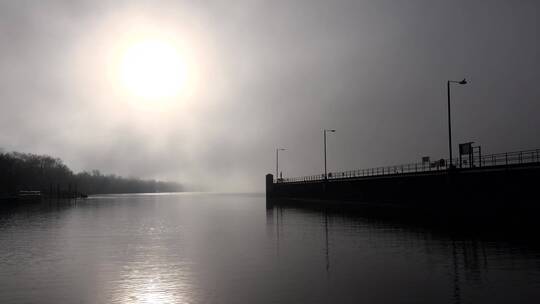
(482, 188)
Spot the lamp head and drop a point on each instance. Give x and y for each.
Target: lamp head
(463, 81)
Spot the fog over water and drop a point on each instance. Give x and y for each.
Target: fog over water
(267, 74)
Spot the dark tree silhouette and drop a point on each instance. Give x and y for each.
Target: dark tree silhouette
(25, 171)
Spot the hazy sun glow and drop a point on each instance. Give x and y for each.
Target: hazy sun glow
(153, 69)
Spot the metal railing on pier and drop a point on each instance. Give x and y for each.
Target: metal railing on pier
(476, 161)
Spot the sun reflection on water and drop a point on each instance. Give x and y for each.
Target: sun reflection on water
(154, 285)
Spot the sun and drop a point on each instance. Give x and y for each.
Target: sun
(153, 69)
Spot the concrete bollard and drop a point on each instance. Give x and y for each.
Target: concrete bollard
(269, 185)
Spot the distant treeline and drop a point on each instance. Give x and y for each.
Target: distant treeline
(23, 171)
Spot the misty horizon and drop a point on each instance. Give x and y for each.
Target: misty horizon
(259, 76)
(249, 151)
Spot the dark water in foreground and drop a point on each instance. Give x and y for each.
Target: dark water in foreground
(210, 248)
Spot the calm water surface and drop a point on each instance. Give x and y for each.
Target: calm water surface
(212, 248)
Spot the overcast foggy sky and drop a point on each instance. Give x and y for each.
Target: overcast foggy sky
(273, 73)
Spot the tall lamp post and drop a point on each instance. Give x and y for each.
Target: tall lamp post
(325, 172)
(449, 120)
(277, 161)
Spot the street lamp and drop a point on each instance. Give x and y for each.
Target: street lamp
(277, 160)
(449, 121)
(325, 172)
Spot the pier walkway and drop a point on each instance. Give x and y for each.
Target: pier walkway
(491, 162)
